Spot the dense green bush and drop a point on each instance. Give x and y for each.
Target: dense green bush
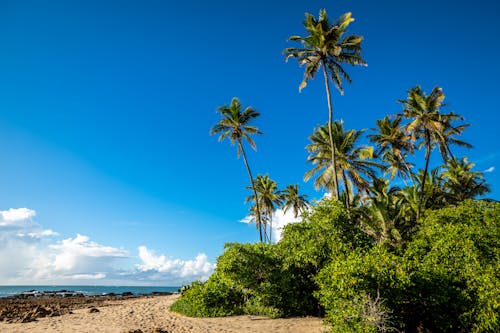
(214, 298)
(359, 290)
(278, 280)
(446, 279)
(327, 232)
(455, 264)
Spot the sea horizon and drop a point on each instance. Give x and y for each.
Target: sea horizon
(87, 290)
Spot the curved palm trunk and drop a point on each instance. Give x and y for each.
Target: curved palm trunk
(253, 188)
(427, 158)
(332, 145)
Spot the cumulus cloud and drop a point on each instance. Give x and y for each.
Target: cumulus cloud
(29, 254)
(182, 271)
(490, 169)
(14, 215)
(280, 220)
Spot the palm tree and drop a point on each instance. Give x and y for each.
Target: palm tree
(379, 215)
(393, 145)
(353, 163)
(461, 183)
(429, 126)
(268, 197)
(292, 199)
(326, 47)
(235, 126)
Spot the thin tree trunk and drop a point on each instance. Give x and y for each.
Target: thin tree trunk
(346, 189)
(332, 145)
(410, 175)
(427, 158)
(253, 188)
(270, 229)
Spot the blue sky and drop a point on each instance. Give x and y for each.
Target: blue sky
(105, 109)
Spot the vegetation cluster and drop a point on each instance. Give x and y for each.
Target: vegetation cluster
(372, 257)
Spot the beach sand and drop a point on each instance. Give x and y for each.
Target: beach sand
(152, 314)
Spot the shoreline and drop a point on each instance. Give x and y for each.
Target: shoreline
(118, 314)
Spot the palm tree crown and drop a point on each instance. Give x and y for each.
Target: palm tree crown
(235, 124)
(354, 163)
(393, 145)
(292, 199)
(327, 46)
(268, 197)
(429, 126)
(460, 182)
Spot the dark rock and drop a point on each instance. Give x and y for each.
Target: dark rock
(127, 293)
(160, 330)
(93, 310)
(161, 293)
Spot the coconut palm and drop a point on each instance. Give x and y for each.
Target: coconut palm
(326, 47)
(393, 145)
(292, 199)
(354, 164)
(380, 213)
(461, 183)
(235, 125)
(268, 197)
(429, 126)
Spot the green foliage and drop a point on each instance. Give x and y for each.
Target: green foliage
(355, 288)
(277, 280)
(213, 298)
(455, 261)
(326, 232)
(446, 278)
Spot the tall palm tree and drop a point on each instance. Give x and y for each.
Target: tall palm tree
(235, 125)
(429, 126)
(393, 145)
(461, 183)
(326, 47)
(354, 164)
(292, 199)
(268, 197)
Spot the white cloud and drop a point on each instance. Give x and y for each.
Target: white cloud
(15, 215)
(96, 276)
(30, 255)
(279, 221)
(161, 267)
(490, 169)
(81, 254)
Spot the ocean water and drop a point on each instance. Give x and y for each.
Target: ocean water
(6, 291)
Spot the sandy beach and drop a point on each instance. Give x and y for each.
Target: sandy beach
(148, 314)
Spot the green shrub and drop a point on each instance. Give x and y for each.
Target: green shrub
(355, 290)
(214, 298)
(455, 259)
(447, 280)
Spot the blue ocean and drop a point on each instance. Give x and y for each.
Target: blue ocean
(6, 291)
